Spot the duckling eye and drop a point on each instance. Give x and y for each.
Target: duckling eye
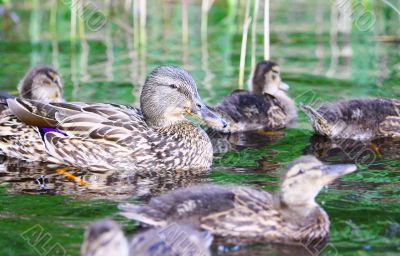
(173, 86)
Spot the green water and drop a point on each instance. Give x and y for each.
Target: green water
(107, 67)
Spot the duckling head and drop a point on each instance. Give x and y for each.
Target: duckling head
(42, 83)
(305, 177)
(170, 92)
(104, 237)
(267, 78)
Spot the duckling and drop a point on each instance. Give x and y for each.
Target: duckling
(290, 215)
(40, 83)
(43, 84)
(102, 136)
(357, 119)
(105, 237)
(267, 106)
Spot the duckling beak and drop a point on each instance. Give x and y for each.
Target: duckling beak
(210, 118)
(284, 86)
(332, 172)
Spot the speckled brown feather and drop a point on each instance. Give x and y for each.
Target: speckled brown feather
(108, 136)
(248, 111)
(357, 119)
(239, 212)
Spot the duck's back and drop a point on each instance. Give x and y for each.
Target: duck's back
(249, 111)
(368, 112)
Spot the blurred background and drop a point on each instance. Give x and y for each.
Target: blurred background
(104, 49)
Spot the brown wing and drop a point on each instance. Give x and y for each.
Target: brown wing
(91, 135)
(253, 214)
(181, 205)
(390, 126)
(259, 111)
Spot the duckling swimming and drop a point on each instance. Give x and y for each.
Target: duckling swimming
(40, 83)
(115, 137)
(291, 215)
(267, 106)
(43, 84)
(357, 119)
(105, 237)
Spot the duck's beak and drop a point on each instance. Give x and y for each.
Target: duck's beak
(332, 172)
(284, 86)
(209, 117)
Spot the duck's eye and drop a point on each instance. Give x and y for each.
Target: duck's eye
(173, 86)
(301, 171)
(199, 106)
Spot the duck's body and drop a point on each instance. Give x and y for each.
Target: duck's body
(267, 106)
(289, 216)
(108, 136)
(358, 119)
(105, 237)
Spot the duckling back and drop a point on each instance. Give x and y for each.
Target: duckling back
(359, 119)
(246, 111)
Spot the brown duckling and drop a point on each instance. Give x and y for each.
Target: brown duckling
(357, 119)
(40, 83)
(105, 237)
(290, 215)
(266, 106)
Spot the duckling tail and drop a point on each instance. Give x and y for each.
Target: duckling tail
(320, 124)
(141, 214)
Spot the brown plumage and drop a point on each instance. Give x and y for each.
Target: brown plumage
(40, 83)
(105, 238)
(117, 137)
(266, 106)
(358, 119)
(291, 215)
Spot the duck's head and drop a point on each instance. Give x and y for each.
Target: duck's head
(267, 78)
(43, 84)
(104, 237)
(170, 92)
(305, 177)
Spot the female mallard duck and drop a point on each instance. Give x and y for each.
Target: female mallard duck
(266, 107)
(105, 237)
(291, 215)
(357, 119)
(40, 83)
(115, 137)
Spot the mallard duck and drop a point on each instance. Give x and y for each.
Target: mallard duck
(40, 83)
(357, 119)
(116, 137)
(105, 237)
(267, 106)
(291, 215)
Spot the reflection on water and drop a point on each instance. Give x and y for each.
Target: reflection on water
(37, 178)
(350, 151)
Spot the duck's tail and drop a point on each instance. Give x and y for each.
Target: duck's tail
(319, 123)
(142, 214)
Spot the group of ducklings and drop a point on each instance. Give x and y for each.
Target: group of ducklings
(40, 126)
